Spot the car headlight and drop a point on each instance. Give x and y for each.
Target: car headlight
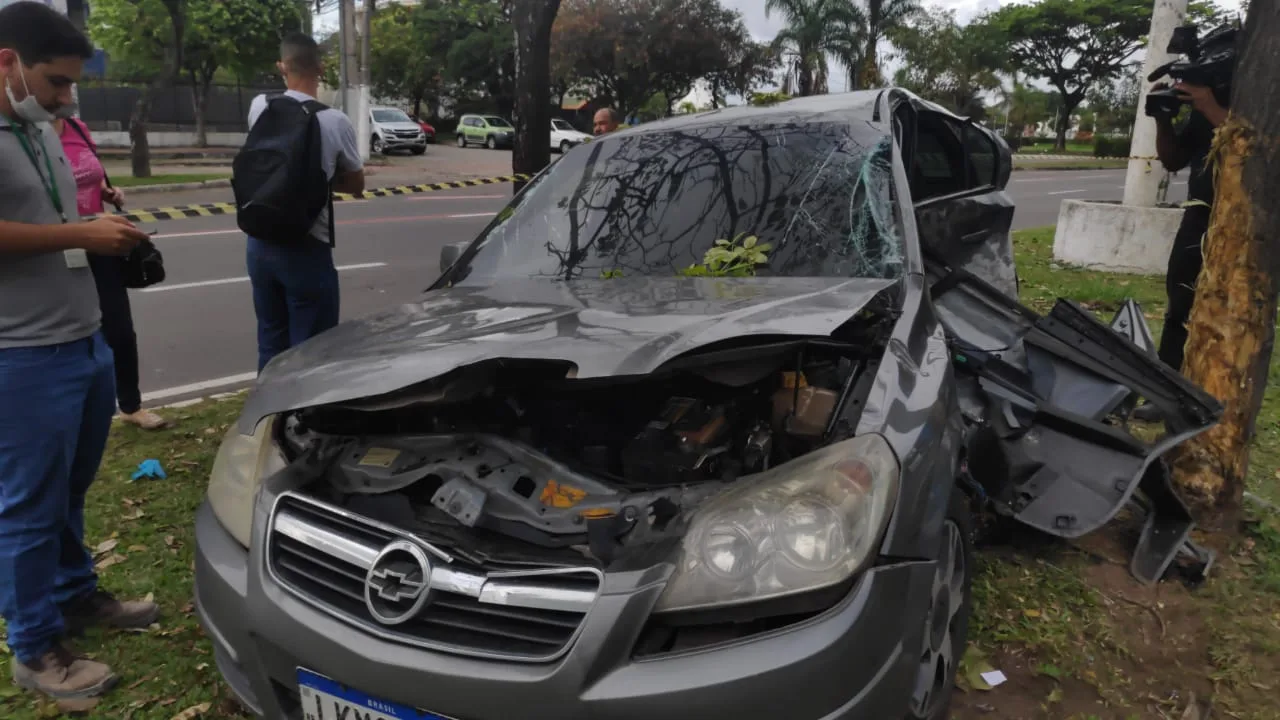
(806, 525)
(242, 463)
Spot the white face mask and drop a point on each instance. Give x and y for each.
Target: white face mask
(30, 109)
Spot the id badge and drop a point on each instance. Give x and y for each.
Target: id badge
(77, 258)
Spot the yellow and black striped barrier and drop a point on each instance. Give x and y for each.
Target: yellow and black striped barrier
(181, 212)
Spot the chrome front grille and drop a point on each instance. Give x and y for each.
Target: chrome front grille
(325, 556)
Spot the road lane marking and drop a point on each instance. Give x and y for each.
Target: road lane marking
(231, 281)
(1068, 192)
(198, 387)
(444, 198)
(1051, 179)
(340, 223)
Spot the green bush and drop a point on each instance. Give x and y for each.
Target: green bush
(1111, 147)
(1014, 142)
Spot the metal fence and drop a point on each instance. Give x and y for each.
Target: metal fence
(107, 105)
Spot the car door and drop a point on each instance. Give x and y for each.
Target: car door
(957, 183)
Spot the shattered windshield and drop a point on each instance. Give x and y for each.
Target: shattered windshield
(818, 196)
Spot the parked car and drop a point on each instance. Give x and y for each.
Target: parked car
(694, 428)
(427, 129)
(565, 137)
(393, 129)
(490, 131)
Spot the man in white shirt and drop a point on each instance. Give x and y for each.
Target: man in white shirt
(295, 286)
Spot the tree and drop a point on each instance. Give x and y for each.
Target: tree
(146, 38)
(949, 63)
(242, 36)
(403, 55)
(1073, 44)
(473, 42)
(1116, 104)
(816, 29)
(1233, 320)
(631, 50)
(533, 21)
(1027, 105)
(751, 65)
(884, 18)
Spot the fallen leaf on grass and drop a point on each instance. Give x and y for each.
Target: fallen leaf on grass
(193, 712)
(105, 547)
(1055, 696)
(168, 701)
(136, 514)
(1031, 613)
(137, 548)
(168, 540)
(138, 683)
(188, 608)
(112, 559)
(972, 666)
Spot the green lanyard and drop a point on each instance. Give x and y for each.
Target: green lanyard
(52, 187)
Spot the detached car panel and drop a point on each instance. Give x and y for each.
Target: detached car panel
(700, 418)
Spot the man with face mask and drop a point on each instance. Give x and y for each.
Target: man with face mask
(56, 371)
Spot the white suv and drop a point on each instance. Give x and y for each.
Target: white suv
(564, 136)
(393, 129)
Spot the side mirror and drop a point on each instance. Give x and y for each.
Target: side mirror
(450, 253)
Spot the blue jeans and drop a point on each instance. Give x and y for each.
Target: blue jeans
(58, 403)
(295, 294)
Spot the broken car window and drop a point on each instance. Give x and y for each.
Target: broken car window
(652, 204)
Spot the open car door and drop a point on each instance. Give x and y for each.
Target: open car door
(1047, 402)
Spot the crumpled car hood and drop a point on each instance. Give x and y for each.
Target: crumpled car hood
(624, 326)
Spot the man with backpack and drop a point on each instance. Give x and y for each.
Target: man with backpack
(297, 154)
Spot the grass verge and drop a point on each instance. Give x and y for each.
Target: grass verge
(1076, 636)
(1082, 164)
(128, 182)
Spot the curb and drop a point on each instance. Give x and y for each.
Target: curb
(178, 187)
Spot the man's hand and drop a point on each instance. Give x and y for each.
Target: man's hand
(112, 196)
(1201, 98)
(110, 235)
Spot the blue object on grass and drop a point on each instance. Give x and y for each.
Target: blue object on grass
(151, 469)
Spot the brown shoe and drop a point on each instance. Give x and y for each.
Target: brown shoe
(63, 676)
(144, 419)
(103, 609)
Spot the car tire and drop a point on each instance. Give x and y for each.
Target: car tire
(376, 147)
(462, 140)
(564, 146)
(946, 632)
(419, 150)
(491, 143)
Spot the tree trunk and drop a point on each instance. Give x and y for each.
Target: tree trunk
(140, 145)
(1232, 325)
(200, 89)
(532, 20)
(868, 66)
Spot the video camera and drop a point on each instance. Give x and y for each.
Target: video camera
(1210, 63)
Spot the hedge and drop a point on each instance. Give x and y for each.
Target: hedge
(1111, 147)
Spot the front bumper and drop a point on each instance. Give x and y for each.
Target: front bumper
(858, 660)
(399, 143)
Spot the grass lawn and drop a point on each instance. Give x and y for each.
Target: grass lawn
(128, 182)
(1081, 164)
(1076, 636)
(1073, 148)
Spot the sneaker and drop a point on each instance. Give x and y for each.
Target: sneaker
(144, 419)
(62, 675)
(102, 609)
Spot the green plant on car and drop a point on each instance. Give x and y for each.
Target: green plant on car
(738, 257)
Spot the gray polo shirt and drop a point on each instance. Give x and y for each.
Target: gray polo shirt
(42, 300)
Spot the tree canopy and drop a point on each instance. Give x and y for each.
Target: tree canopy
(1072, 44)
(949, 63)
(816, 29)
(631, 50)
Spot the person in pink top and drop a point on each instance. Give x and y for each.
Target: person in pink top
(92, 194)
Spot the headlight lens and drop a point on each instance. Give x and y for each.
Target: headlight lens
(239, 468)
(808, 524)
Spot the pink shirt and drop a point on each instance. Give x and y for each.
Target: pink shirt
(88, 171)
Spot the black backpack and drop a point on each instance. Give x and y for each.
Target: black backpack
(278, 177)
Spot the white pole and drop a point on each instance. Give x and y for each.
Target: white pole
(344, 42)
(1146, 174)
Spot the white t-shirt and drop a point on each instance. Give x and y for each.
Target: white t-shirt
(339, 149)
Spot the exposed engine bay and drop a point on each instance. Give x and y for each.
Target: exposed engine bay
(524, 450)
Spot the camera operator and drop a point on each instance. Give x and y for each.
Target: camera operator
(1187, 146)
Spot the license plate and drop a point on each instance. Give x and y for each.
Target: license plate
(324, 699)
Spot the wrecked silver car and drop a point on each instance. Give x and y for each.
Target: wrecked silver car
(695, 428)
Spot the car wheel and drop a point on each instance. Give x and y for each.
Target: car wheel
(419, 150)
(946, 630)
(564, 146)
(491, 143)
(375, 145)
(462, 140)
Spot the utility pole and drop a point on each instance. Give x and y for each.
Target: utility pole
(344, 45)
(1142, 183)
(357, 53)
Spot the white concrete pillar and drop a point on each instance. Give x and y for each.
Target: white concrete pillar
(1146, 174)
(364, 128)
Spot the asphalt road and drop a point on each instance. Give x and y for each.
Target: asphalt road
(196, 331)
